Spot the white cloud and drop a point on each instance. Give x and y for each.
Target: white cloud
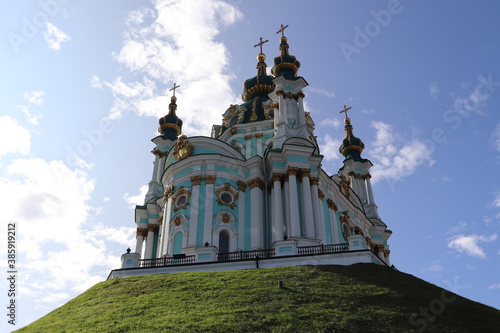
(469, 244)
(322, 91)
(54, 37)
(54, 298)
(14, 137)
(496, 137)
(331, 122)
(393, 158)
(434, 267)
(177, 43)
(367, 111)
(433, 90)
(34, 97)
(494, 286)
(134, 200)
(329, 148)
(461, 226)
(95, 82)
(33, 119)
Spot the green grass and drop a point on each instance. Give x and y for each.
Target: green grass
(357, 298)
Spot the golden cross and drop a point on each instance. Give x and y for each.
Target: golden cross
(174, 87)
(345, 110)
(261, 43)
(282, 30)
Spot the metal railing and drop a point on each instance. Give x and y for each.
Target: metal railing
(245, 255)
(166, 261)
(323, 249)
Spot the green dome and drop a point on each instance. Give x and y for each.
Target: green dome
(286, 64)
(170, 125)
(259, 85)
(351, 146)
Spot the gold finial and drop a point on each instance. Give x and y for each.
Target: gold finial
(282, 30)
(261, 43)
(173, 88)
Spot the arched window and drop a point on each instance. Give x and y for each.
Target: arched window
(177, 247)
(223, 241)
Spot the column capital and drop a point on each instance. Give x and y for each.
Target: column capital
(277, 177)
(292, 171)
(242, 186)
(256, 182)
(259, 135)
(387, 253)
(142, 232)
(248, 137)
(304, 172)
(152, 227)
(210, 179)
(314, 181)
(196, 180)
(321, 195)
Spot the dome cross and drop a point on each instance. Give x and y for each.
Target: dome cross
(282, 30)
(174, 87)
(261, 43)
(345, 110)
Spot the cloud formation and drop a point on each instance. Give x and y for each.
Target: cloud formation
(54, 37)
(393, 158)
(176, 42)
(469, 244)
(10, 128)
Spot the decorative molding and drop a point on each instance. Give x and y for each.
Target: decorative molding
(276, 177)
(168, 192)
(359, 176)
(234, 130)
(296, 96)
(183, 148)
(259, 135)
(332, 204)
(226, 187)
(314, 181)
(158, 153)
(210, 179)
(344, 217)
(180, 192)
(387, 253)
(196, 180)
(248, 137)
(321, 195)
(345, 185)
(256, 182)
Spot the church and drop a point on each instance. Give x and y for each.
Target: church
(253, 193)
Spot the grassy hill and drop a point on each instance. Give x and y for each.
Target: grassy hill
(357, 298)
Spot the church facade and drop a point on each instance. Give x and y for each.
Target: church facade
(255, 188)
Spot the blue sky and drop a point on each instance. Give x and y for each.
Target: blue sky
(84, 83)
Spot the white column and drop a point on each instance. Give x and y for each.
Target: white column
(307, 206)
(248, 147)
(140, 240)
(370, 191)
(387, 260)
(256, 225)
(277, 207)
(148, 254)
(294, 202)
(167, 215)
(259, 143)
(286, 190)
(334, 225)
(195, 208)
(209, 208)
(380, 251)
(241, 214)
(319, 222)
(302, 115)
